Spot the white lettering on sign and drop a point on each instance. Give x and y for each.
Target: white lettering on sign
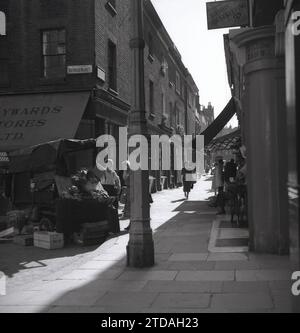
(80, 69)
(296, 24)
(2, 24)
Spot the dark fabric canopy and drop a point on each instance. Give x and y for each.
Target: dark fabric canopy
(225, 142)
(220, 122)
(46, 156)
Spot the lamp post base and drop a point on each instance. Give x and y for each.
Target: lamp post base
(140, 251)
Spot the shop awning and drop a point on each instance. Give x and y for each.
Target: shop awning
(33, 119)
(226, 142)
(220, 122)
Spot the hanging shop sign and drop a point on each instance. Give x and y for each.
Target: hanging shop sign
(227, 14)
(80, 69)
(2, 24)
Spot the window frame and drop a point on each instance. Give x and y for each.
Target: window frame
(49, 56)
(151, 98)
(112, 68)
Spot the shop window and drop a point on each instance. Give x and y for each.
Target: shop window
(4, 74)
(112, 66)
(54, 53)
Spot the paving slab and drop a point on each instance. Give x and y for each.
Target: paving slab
(191, 266)
(189, 257)
(183, 287)
(21, 309)
(245, 287)
(205, 276)
(182, 300)
(262, 275)
(90, 275)
(83, 297)
(251, 301)
(148, 275)
(227, 257)
(76, 309)
(127, 299)
(236, 265)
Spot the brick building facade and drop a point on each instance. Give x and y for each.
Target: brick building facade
(58, 47)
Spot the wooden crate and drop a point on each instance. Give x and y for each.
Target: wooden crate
(92, 234)
(24, 240)
(48, 240)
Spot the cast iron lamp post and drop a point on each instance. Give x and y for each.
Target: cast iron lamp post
(140, 249)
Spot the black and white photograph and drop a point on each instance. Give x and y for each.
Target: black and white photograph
(149, 159)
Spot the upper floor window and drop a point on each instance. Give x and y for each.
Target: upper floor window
(191, 99)
(178, 83)
(163, 103)
(112, 65)
(151, 97)
(150, 45)
(54, 53)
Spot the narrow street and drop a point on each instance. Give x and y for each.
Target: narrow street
(187, 277)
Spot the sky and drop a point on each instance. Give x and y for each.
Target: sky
(202, 50)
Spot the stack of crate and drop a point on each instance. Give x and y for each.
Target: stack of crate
(48, 240)
(92, 234)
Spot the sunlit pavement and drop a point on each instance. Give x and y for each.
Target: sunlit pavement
(186, 278)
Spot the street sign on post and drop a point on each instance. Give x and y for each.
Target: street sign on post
(227, 14)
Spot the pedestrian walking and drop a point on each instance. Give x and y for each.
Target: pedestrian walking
(187, 179)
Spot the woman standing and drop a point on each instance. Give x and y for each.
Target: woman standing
(111, 182)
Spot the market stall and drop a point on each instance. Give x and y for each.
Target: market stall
(41, 179)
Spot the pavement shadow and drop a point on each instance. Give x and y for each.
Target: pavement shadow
(15, 258)
(107, 285)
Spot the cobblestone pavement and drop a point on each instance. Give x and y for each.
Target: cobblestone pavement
(186, 277)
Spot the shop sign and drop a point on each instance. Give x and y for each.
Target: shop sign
(226, 14)
(2, 24)
(80, 69)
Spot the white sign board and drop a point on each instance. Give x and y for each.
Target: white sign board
(101, 74)
(80, 69)
(227, 14)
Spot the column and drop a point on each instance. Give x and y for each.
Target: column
(140, 249)
(265, 134)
